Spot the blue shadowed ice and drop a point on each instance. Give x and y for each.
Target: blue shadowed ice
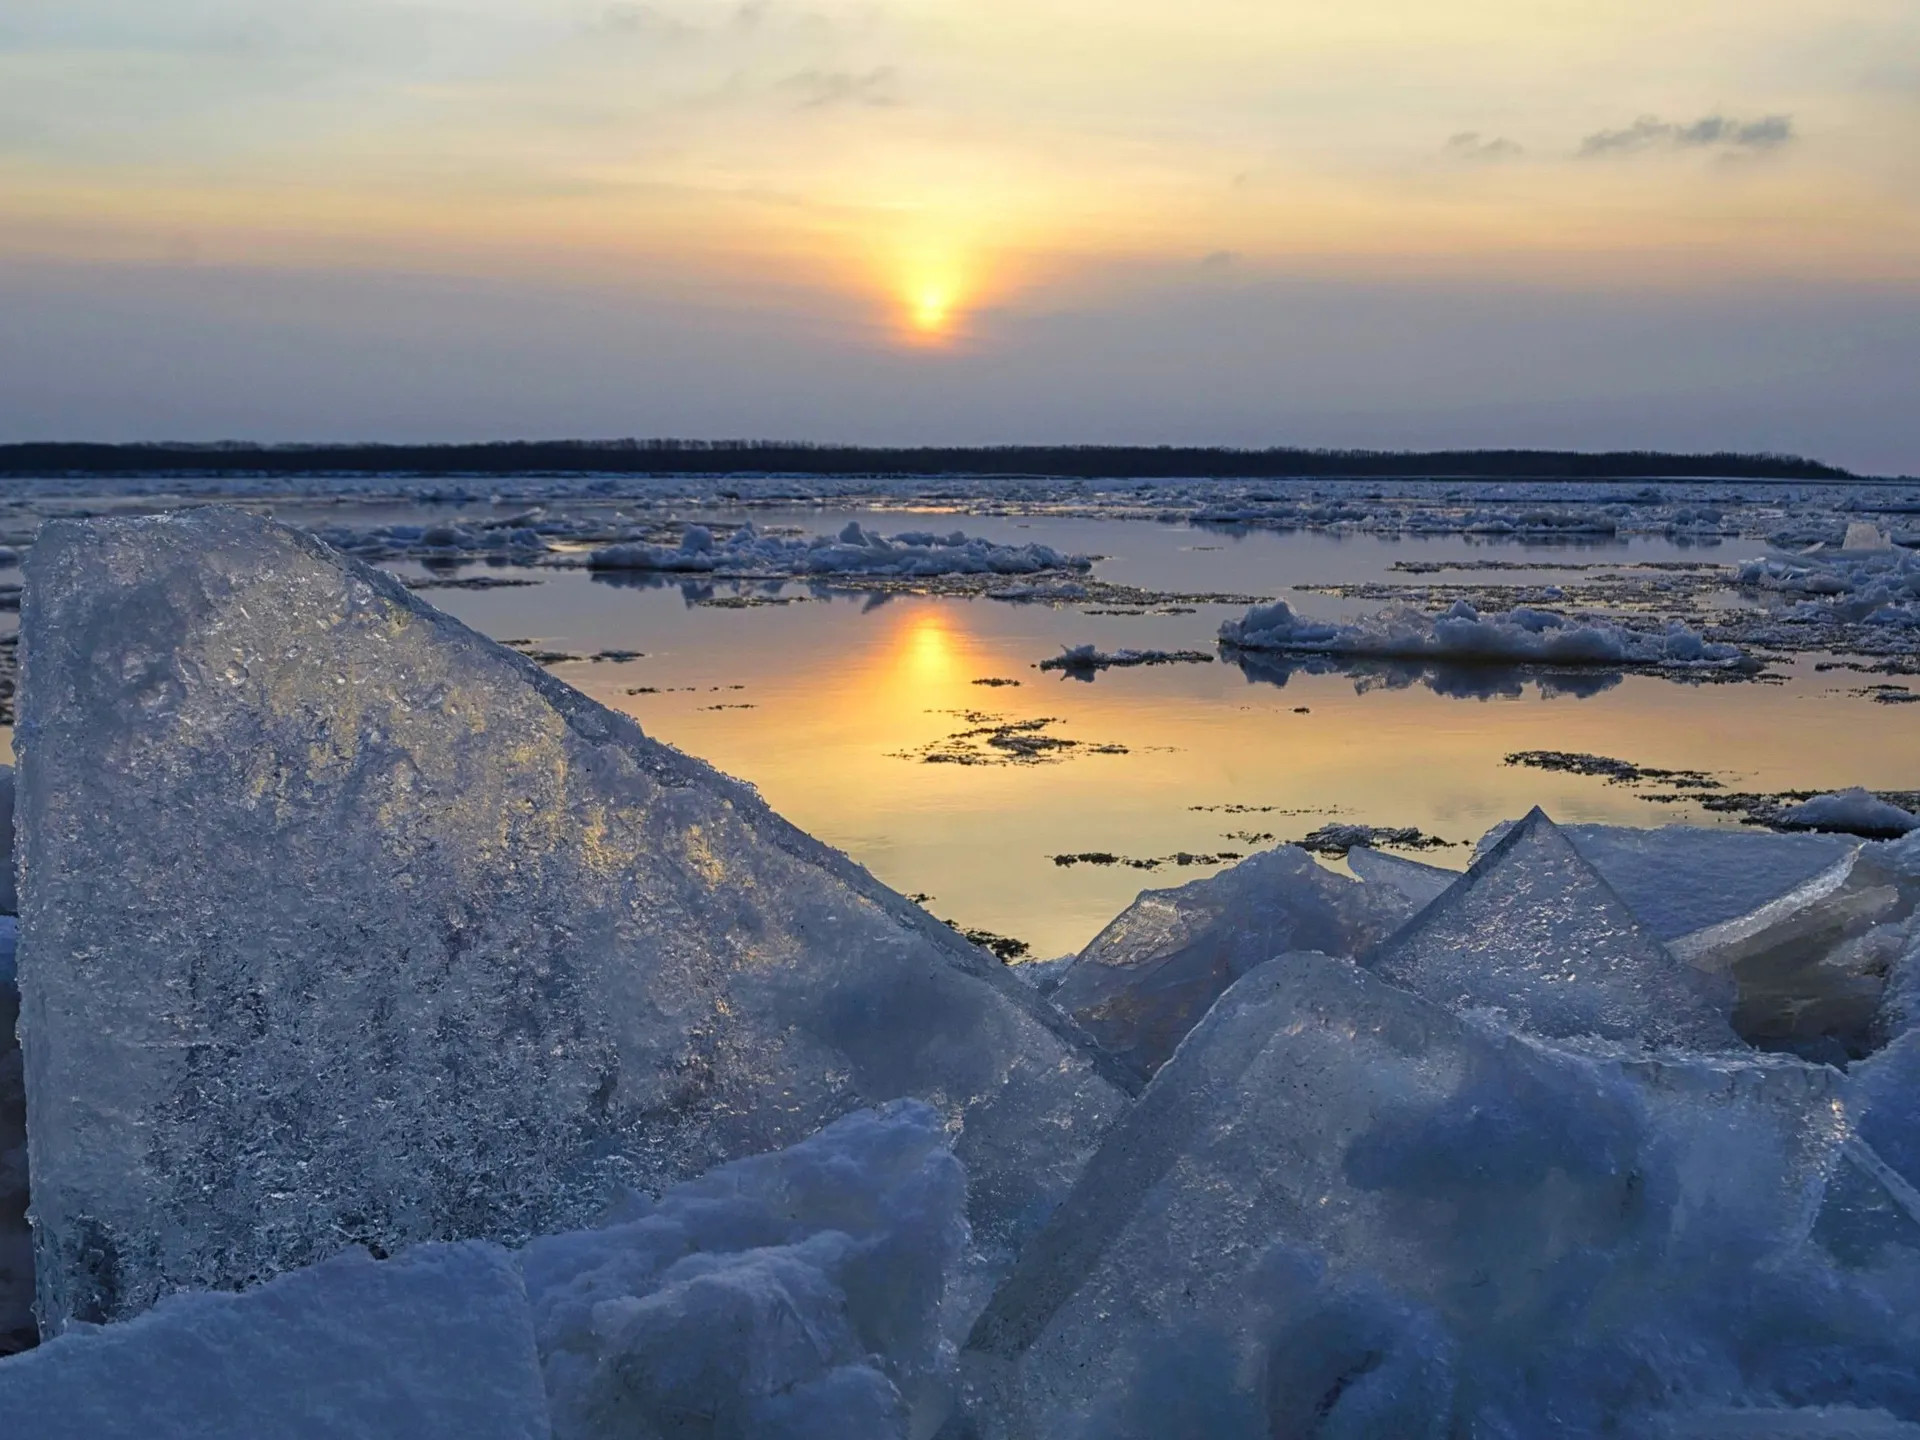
(1340, 1210)
(436, 1344)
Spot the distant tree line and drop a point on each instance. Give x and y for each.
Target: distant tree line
(761, 457)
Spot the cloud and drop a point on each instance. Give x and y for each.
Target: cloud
(1220, 260)
(630, 19)
(1472, 146)
(1711, 132)
(817, 89)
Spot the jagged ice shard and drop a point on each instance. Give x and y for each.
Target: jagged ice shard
(1532, 931)
(342, 924)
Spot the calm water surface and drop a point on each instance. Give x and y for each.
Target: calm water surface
(828, 706)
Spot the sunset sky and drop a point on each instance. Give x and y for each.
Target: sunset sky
(1692, 223)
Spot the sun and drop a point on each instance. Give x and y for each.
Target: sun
(932, 310)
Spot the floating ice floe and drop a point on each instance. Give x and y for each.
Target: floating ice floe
(853, 551)
(1873, 585)
(1462, 634)
(343, 924)
(1852, 812)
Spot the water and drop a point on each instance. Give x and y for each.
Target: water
(830, 704)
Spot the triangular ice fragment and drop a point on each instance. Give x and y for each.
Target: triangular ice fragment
(1534, 933)
(1146, 979)
(342, 923)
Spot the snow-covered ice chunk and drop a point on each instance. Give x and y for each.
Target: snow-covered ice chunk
(1461, 633)
(1852, 812)
(343, 923)
(17, 1328)
(1340, 1210)
(788, 1295)
(1421, 884)
(1146, 979)
(1535, 933)
(437, 1342)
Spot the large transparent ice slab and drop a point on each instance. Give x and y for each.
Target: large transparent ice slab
(1341, 1210)
(1144, 981)
(436, 1344)
(343, 924)
(1534, 933)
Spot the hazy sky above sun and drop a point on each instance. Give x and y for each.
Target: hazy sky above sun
(1654, 222)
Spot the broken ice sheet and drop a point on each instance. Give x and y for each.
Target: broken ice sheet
(343, 923)
(1533, 933)
(1340, 1210)
(1798, 922)
(1684, 880)
(436, 1343)
(1146, 979)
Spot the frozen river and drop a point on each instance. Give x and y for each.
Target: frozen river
(867, 720)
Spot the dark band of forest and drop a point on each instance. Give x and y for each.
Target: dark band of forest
(776, 457)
